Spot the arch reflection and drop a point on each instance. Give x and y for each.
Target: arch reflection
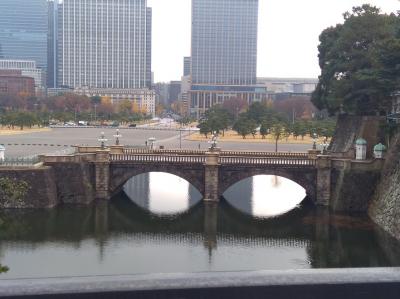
(265, 196)
(162, 193)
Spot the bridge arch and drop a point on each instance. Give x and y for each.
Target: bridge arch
(229, 176)
(121, 173)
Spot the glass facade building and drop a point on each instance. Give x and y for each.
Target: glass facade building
(224, 41)
(52, 44)
(23, 30)
(104, 44)
(224, 53)
(187, 61)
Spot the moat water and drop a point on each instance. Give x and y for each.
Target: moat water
(159, 225)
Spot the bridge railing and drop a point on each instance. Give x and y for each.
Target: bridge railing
(267, 161)
(20, 161)
(158, 158)
(201, 159)
(135, 151)
(264, 154)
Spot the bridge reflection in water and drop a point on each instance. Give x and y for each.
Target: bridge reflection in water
(260, 196)
(124, 237)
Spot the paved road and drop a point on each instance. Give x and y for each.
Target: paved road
(62, 137)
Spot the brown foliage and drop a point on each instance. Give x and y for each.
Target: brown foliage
(301, 106)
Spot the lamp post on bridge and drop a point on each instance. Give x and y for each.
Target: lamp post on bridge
(324, 145)
(117, 136)
(152, 141)
(213, 142)
(314, 136)
(102, 141)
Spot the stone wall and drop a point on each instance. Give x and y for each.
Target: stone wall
(352, 189)
(75, 182)
(27, 187)
(385, 206)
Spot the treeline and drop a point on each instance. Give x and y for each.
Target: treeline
(260, 119)
(27, 111)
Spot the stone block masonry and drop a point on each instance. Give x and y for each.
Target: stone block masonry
(385, 206)
(27, 187)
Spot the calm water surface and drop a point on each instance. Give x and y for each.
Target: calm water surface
(159, 224)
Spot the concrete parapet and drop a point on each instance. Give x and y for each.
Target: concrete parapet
(87, 149)
(355, 283)
(313, 154)
(117, 149)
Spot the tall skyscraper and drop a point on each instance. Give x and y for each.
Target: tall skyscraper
(187, 61)
(23, 30)
(224, 41)
(104, 44)
(224, 53)
(52, 43)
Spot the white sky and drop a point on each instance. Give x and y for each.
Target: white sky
(287, 36)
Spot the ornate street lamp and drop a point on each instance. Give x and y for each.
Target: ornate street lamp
(117, 136)
(324, 145)
(152, 140)
(102, 141)
(213, 141)
(315, 136)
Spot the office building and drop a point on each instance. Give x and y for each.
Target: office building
(289, 85)
(224, 53)
(52, 40)
(187, 61)
(24, 30)
(184, 107)
(104, 44)
(26, 68)
(174, 90)
(161, 90)
(224, 42)
(12, 82)
(143, 99)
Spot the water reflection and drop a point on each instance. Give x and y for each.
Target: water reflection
(125, 236)
(122, 238)
(162, 193)
(265, 196)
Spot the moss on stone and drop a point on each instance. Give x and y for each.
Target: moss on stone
(12, 191)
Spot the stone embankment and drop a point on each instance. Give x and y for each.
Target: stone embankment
(385, 206)
(353, 187)
(27, 187)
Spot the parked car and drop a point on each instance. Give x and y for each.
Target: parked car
(82, 123)
(132, 126)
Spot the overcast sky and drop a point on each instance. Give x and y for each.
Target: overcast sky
(287, 36)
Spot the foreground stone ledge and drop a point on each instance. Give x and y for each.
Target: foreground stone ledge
(325, 283)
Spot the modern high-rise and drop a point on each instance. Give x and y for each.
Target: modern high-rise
(52, 39)
(104, 44)
(187, 61)
(224, 41)
(224, 53)
(23, 30)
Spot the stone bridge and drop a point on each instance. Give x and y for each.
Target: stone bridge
(211, 172)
